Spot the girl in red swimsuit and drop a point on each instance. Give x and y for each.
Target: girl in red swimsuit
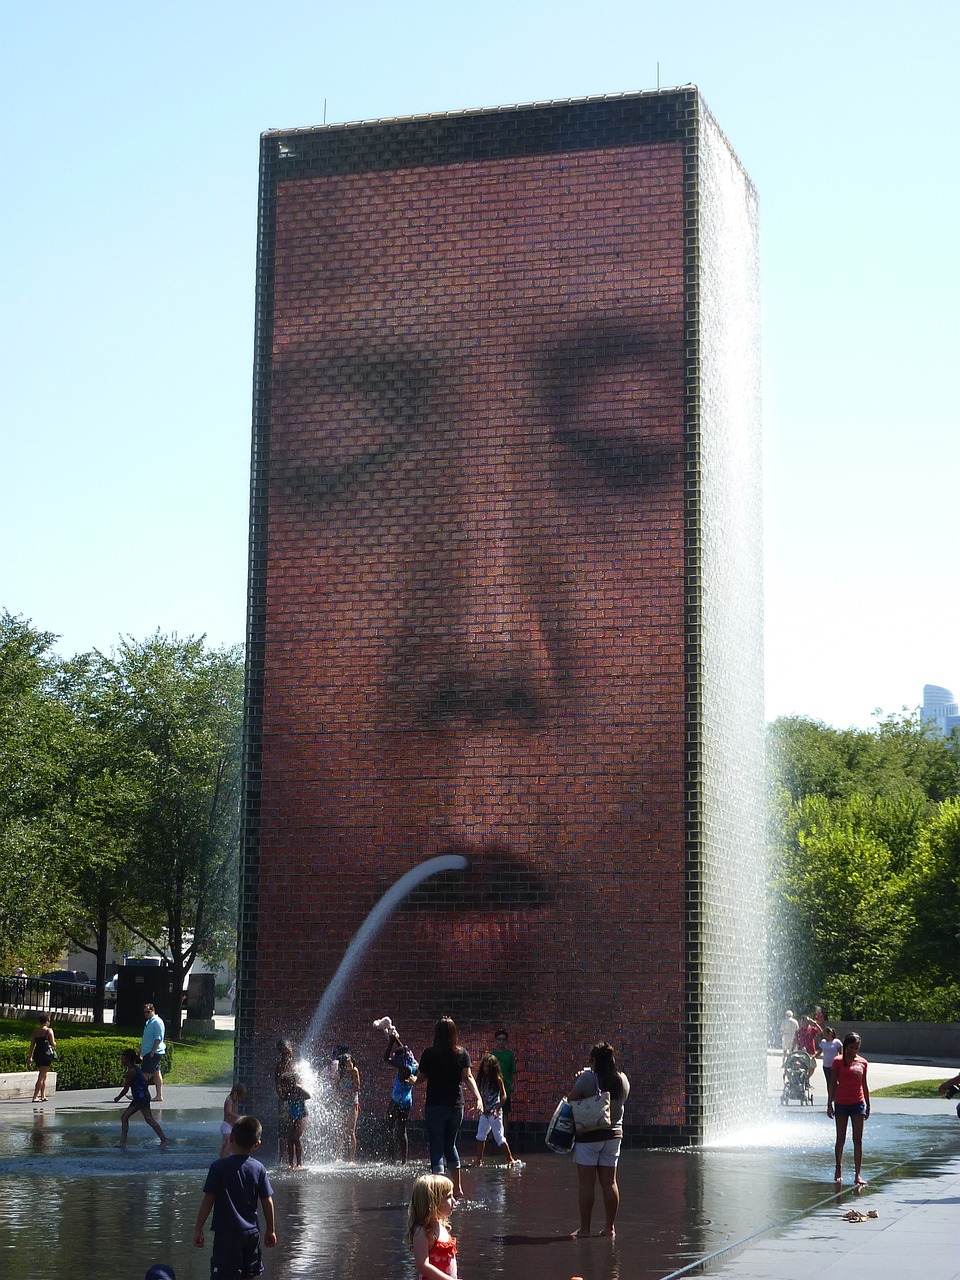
(428, 1227)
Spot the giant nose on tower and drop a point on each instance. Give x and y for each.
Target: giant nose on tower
(492, 650)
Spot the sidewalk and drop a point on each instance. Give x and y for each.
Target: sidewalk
(916, 1233)
(917, 1228)
(176, 1097)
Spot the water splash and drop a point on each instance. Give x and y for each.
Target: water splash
(365, 935)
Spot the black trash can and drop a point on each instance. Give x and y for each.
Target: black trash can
(201, 995)
(138, 985)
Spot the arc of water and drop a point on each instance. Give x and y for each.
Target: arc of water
(368, 931)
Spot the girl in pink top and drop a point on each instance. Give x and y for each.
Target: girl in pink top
(849, 1098)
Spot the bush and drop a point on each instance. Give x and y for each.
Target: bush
(911, 1000)
(81, 1063)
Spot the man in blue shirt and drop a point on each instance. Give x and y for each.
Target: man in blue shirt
(152, 1047)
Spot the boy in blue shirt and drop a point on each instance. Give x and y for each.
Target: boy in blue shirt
(234, 1188)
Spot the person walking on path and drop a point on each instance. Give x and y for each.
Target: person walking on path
(849, 1099)
(788, 1034)
(135, 1081)
(152, 1048)
(830, 1048)
(42, 1052)
(235, 1188)
(807, 1042)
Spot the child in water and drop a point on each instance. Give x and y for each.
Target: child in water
(135, 1081)
(493, 1094)
(231, 1114)
(428, 1227)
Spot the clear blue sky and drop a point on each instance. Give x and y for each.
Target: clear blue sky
(128, 231)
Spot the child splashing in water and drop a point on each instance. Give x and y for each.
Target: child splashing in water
(493, 1094)
(428, 1227)
(231, 1114)
(135, 1081)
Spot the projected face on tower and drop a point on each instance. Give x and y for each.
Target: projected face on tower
(474, 603)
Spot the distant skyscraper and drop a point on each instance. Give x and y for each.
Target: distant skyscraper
(940, 708)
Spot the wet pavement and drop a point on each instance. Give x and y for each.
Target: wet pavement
(758, 1204)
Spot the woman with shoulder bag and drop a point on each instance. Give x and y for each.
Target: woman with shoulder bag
(599, 1133)
(42, 1052)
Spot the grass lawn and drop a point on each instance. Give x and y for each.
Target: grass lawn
(911, 1089)
(195, 1061)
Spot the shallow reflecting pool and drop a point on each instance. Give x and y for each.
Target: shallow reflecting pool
(72, 1206)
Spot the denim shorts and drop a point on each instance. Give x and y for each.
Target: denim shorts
(849, 1108)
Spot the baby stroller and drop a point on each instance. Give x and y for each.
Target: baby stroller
(796, 1080)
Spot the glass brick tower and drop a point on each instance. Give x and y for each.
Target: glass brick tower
(505, 598)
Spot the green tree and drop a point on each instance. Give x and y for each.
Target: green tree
(842, 917)
(901, 755)
(861, 869)
(933, 896)
(94, 822)
(35, 728)
(174, 711)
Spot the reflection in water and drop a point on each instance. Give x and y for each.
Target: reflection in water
(38, 1139)
(99, 1205)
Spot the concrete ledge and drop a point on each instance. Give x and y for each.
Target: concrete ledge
(21, 1084)
(906, 1039)
(21, 1014)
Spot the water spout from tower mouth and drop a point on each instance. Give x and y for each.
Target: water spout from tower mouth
(371, 926)
(493, 881)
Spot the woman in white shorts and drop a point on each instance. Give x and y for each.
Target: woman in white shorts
(598, 1150)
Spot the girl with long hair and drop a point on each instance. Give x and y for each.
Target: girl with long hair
(445, 1066)
(42, 1052)
(849, 1099)
(493, 1092)
(428, 1227)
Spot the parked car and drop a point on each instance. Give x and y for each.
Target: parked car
(76, 976)
(68, 987)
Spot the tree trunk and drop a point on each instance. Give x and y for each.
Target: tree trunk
(176, 1012)
(103, 917)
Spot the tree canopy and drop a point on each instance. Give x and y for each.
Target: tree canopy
(119, 798)
(865, 845)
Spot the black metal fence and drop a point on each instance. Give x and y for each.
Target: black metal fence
(40, 995)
